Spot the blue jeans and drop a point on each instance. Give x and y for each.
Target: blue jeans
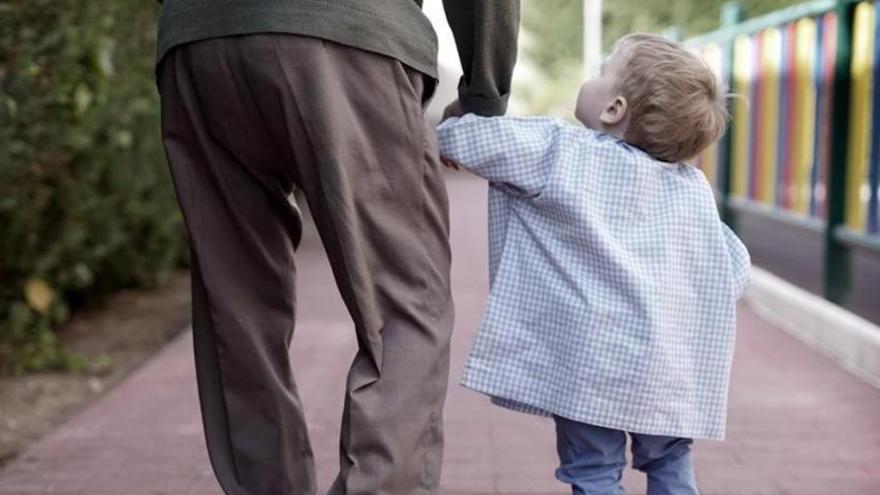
(592, 459)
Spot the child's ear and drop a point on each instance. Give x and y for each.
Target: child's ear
(615, 112)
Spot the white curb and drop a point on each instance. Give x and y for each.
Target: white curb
(847, 339)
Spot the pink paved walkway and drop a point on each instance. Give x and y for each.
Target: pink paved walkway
(798, 425)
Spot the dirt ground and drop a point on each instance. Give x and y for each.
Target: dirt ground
(113, 340)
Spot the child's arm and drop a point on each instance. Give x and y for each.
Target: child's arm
(516, 152)
(739, 259)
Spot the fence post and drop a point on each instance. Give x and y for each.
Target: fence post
(731, 14)
(837, 278)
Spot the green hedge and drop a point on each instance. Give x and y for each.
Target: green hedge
(86, 204)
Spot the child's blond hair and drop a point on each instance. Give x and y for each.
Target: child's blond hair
(677, 106)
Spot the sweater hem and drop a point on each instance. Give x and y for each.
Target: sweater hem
(416, 48)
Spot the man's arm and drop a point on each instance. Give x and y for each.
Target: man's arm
(485, 33)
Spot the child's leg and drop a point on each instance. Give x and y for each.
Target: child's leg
(667, 462)
(591, 458)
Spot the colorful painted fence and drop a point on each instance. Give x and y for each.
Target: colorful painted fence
(864, 139)
(804, 142)
(779, 149)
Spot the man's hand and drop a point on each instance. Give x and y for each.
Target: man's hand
(454, 109)
(450, 164)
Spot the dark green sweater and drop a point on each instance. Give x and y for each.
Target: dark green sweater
(485, 33)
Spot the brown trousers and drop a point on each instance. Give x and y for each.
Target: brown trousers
(245, 120)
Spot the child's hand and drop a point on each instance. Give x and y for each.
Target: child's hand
(450, 164)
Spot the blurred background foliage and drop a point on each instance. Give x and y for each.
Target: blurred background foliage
(554, 43)
(86, 203)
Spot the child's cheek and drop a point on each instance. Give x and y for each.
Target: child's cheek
(581, 110)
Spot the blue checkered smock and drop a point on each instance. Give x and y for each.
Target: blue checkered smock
(613, 280)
